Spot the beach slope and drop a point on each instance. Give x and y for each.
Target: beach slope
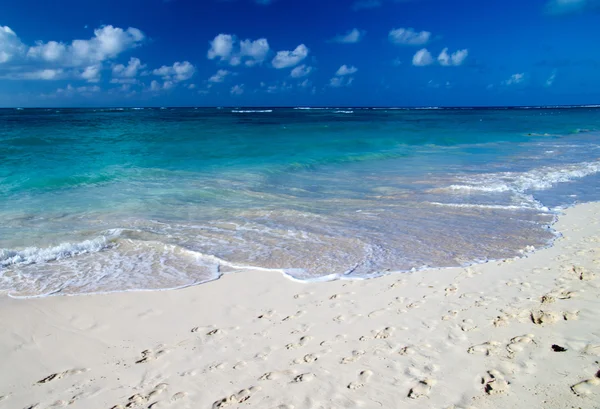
(513, 333)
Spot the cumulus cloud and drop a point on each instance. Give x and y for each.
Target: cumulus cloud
(131, 70)
(343, 76)
(237, 90)
(219, 76)
(515, 79)
(47, 74)
(155, 86)
(10, 45)
(226, 48)
(52, 60)
(408, 36)
(285, 59)
(351, 37)
(180, 71)
(345, 70)
(454, 59)
(422, 58)
(108, 42)
(301, 71)
(337, 82)
(92, 73)
(70, 90)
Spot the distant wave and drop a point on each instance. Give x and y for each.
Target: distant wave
(536, 179)
(250, 111)
(34, 255)
(343, 112)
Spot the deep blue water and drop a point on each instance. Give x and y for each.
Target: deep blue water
(95, 200)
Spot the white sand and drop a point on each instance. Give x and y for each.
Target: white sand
(448, 338)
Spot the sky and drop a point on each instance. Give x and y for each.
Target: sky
(73, 53)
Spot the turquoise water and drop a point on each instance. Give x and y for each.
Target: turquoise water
(96, 200)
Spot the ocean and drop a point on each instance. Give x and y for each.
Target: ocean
(105, 200)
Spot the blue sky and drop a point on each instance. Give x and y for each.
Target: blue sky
(299, 52)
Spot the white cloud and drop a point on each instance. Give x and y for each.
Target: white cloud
(92, 73)
(221, 47)
(256, 51)
(408, 36)
(47, 74)
(10, 45)
(305, 84)
(351, 37)
(551, 79)
(128, 71)
(180, 71)
(225, 47)
(219, 76)
(155, 86)
(454, 59)
(337, 82)
(301, 71)
(345, 70)
(108, 42)
(277, 88)
(285, 59)
(70, 90)
(53, 60)
(422, 58)
(191, 86)
(515, 79)
(237, 89)
(343, 76)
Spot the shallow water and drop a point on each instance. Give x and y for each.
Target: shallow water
(96, 200)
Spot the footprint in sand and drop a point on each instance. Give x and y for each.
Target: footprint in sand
(139, 399)
(587, 387)
(355, 357)
(501, 321)
(377, 313)
(294, 316)
(60, 375)
(487, 348)
(544, 317)
(306, 359)
(273, 376)
(450, 316)
(468, 325)
(241, 396)
(302, 342)
(494, 383)
(451, 290)
(422, 389)
(571, 315)
(582, 274)
(382, 334)
(301, 295)
(305, 377)
(216, 367)
(517, 344)
(150, 355)
(363, 378)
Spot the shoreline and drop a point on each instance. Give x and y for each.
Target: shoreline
(266, 341)
(236, 269)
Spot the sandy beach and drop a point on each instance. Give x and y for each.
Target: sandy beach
(515, 333)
